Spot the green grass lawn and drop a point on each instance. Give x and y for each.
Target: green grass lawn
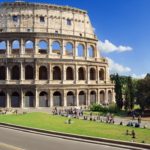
(90, 128)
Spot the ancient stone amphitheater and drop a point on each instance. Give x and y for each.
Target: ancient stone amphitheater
(49, 57)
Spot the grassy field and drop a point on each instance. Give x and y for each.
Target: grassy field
(57, 123)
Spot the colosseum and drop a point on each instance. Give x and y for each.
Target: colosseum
(49, 57)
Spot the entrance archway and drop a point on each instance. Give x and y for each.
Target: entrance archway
(15, 99)
(2, 99)
(29, 99)
(43, 99)
(57, 99)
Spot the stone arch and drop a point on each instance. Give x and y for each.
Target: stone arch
(2, 99)
(102, 97)
(80, 50)
(56, 73)
(29, 99)
(81, 73)
(69, 49)
(101, 74)
(15, 46)
(29, 46)
(43, 99)
(69, 73)
(71, 99)
(92, 97)
(57, 99)
(109, 96)
(43, 47)
(56, 47)
(92, 74)
(2, 72)
(29, 72)
(82, 98)
(15, 99)
(15, 73)
(3, 47)
(43, 73)
(91, 51)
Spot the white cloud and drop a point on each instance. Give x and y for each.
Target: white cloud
(109, 47)
(141, 76)
(117, 68)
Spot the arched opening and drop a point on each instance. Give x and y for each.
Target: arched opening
(80, 52)
(43, 47)
(43, 74)
(102, 97)
(56, 47)
(109, 97)
(29, 47)
(92, 97)
(3, 47)
(2, 99)
(101, 74)
(15, 73)
(15, 99)
(70, 99)
(82, 98)
(91, 51)
(69, 49)
(2, 73)
(57, 99)
(92, 74)
(15, 47)
(56, 73)
(43, 99)
(29, 99)
(69, 73)
(29, 72)
(81, 73)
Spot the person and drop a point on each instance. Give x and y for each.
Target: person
(133, 134)
(139, 119)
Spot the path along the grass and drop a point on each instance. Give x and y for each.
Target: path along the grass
(82, 127)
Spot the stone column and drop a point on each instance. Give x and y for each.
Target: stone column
(76, 74)
(50, 47)
(36, 46)
(22, 47)
(64, 74)
(75, 50)
(8, 100)
(7, 73)
(63, 49)
(88, 75)
(36, 72)
(97, 75)
(77, 98)
(98, 96)
(8, 47)
(106, 96)
(65, 98)
(22, 71)
(36, 98)
(86, 51)
(50, 73)
(22, 98)
(51, 99)
(113, 95)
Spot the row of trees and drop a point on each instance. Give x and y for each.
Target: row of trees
(130, 91)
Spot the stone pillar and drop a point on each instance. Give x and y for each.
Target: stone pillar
(50, 73)
(75, 50)
(36, 98)
(22, 47)
(51, 99)
(8, 47)
(76, 74)
(36, 46)
(98, 96)
(22, 98)
(97, 75)
(64, 74)
(22, 71)
(113, 95)
(36, 72)
(50, 47)
(77, 98)
(88, 75)
(65, 98)
(86, 51)
(7, 73)
(106, 96)
(8, 103)
(88, 97)
(63, 49)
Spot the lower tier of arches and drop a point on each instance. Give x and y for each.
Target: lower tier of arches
(21, 98)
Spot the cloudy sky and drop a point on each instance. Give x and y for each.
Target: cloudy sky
(123, 30)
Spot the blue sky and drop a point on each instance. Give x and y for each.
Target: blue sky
(123, 28)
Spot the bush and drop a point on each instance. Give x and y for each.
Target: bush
(112, 108)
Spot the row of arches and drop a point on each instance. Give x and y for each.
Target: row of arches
(56, 73)
(43, 48)
(58, 99)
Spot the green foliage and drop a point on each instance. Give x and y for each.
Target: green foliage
(112, 108)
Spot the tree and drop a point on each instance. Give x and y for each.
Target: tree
(118, 90)
(143, 92)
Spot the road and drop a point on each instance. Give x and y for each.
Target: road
(18, 140)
